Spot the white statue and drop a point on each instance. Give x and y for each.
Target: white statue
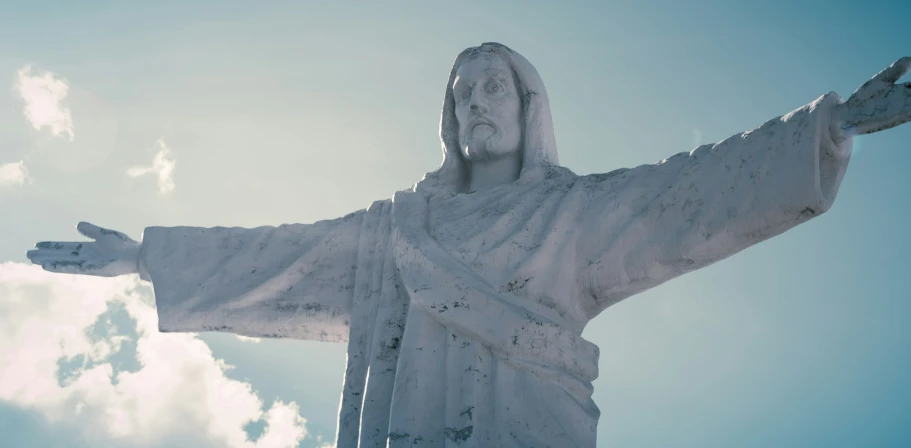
(463, 298)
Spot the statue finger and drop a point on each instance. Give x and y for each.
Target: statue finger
(92, 231)
(82, 267)
(119, 235)
(100, 233)
(42, 255)
(89, 230)
(894, 72)
(34, 256)
(64, 266)
(60, 246)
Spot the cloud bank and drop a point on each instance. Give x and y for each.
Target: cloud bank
(59, 349)
(43, 93)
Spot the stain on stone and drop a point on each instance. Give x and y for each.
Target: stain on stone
(398, 435)
(394, 344)
(516, 285)
(459, 435)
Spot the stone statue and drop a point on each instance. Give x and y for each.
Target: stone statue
(463, 299)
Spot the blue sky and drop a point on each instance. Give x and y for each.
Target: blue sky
(301, 111)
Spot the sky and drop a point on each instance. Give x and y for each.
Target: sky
(240, 113)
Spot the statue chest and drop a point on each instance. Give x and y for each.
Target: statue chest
(512, 246)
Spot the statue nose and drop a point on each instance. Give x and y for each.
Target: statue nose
(478, 106)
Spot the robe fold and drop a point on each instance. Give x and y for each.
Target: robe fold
(463, 313)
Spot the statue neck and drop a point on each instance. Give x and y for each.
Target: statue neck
(490, 173)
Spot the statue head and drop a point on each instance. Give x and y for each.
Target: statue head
(488, 108)
(494, 105)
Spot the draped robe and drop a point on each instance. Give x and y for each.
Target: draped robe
(463, 313)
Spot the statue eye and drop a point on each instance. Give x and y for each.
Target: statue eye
(463, 95)
(494, 88)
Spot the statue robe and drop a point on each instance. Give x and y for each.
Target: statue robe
(463, 314)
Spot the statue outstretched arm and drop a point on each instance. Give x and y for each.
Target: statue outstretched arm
(646, 225)
(649, 224)
(293, 280)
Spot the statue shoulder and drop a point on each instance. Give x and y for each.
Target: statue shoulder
(548, 179)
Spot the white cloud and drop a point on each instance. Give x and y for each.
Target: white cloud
(178, 396)
(247, 339)
(43, 93)
(162, 165)
(13, 173)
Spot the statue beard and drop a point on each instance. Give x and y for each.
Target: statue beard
(490, 147)
(476, 150)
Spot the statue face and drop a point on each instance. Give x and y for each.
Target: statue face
(488, 108)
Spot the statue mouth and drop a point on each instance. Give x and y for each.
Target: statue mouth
(481, 124)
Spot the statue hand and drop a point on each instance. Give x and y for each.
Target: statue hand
(111, 254)
(877, 105)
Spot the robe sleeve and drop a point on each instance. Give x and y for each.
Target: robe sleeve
(292, 281)
(646, 225)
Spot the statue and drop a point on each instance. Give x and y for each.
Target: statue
(463, 298)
